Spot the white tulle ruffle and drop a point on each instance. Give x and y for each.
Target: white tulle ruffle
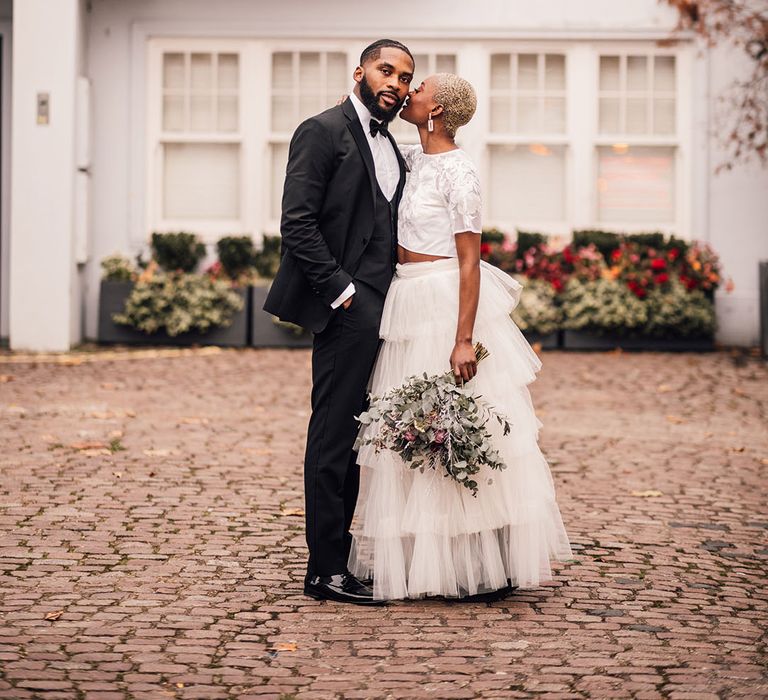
(421, 534)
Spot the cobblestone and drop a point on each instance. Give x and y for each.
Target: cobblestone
(151, 539)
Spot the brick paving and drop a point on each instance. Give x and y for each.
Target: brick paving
(151, 539)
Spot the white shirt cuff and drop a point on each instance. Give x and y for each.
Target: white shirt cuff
(348, 292)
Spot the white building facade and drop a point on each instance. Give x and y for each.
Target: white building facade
(124, 117)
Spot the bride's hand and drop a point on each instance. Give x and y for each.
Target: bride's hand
(341, 99)
(463, 361)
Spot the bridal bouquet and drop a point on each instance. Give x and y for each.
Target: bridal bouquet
(432, 422)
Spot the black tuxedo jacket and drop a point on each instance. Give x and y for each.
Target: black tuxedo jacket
(328, 215)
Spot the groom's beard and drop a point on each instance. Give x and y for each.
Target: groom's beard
(371, 101)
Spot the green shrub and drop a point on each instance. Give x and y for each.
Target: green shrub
(678, 312)
(538, 310)
(117, 268)
(602, 306)
(605, 241)
(267, 260)
(177, 251)
(179, 303)
(530, 239)
(492, 235)
(236, 254)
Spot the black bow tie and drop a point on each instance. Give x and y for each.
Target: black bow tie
(379, 128)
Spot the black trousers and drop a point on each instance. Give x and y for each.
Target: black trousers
(342, 359)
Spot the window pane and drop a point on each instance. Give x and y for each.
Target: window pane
(445, 63)
(227, 113)
(501, 76)
(173, 113)
(282, 114)
(309, 105)
(637, 116)
(527, 183)
(500, 115)
(173, 71)
(554, 72)
(201, 113)
(422, 70)
(338, 80)
(636, 185)
(664, 73)
(279, 160)
(202, 72)
(609, 115)
(527, 71)
(201, 181)
(309, 71)
(609, 73)
(228, 71)
(553, 116)
(637, 72)
(282, 71)
(528, 115)
(663, 116)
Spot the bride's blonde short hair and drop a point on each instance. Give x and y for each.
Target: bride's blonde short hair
(458, 99)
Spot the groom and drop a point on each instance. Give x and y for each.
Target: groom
(343, 185)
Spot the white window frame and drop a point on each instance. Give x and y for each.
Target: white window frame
(566, 139)
(679, 140)
(213, 229)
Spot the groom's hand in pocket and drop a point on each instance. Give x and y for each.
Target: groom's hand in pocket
(347, 303)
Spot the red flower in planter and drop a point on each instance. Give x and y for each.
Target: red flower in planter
(658, 264)
(485, 249)
(662, 278)
(616, 254)
(673, 254)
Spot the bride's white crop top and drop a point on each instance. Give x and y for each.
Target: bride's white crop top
(441, 198)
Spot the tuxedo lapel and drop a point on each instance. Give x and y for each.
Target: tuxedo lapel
(403, 168)
(353, 124)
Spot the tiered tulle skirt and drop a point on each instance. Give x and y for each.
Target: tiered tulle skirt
(420, 533)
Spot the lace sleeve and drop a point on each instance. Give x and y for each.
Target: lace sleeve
(463, 197)
(408, 152)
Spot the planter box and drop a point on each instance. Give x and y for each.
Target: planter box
(265, 333)
(550, 341)
(584, 340)
(112, 296)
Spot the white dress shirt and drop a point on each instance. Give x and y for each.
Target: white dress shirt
(385, 164)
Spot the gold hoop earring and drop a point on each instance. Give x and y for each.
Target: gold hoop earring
(430, 124)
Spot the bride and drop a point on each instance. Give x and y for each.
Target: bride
(418, 533)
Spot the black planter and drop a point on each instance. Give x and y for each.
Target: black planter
(265, 333)
(112, 296)
(549, 341)
(585, 340)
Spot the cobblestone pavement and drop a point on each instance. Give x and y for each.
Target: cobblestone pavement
(151, 539)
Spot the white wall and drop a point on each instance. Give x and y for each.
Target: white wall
(117, 28)
(45, 296)
(737, 206)
(6, 30)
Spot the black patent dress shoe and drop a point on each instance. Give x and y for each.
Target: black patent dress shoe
(343, 588)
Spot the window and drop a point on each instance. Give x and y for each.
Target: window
(527, 143)
(303, 83)
(199, 138)
(636, 149)
(528, 93)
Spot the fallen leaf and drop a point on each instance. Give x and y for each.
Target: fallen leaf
(54, 615)
(663, 388)
(675, 419)
(285, 646)
(536, 348)
(293, 511)
(151, 473)
(194, 421)
(6, 378)
(647, 494)
(95, 452)
(737, 449)
(87, 445)
(739, 392)
(119, 475)
(160, 453)
(130, 413)
(102, 415)
(764, 462)
(179, 685)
